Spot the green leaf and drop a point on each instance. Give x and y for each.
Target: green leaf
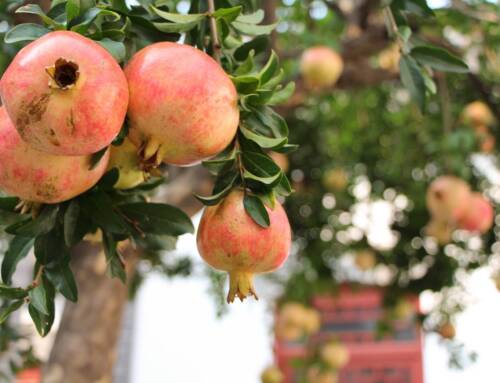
(44, 223)
(50, 247)
(215, 198)
(116, 266)
(260, 165)
(262, 141)
(108, 181)
(115, 48)
(282, 95)
(96, 158)
(102, 212)
(413, 80)
(157, 218)
(253, 30)
(284, 188)
(72, 9)
(83, 22)
(178, 22)
(439, 59)
(43, 322)
(6, 311)
(228, 14)
(8, 203)
(269, 69)
(38, 298)
(246, 84)
(120, 5)
(25, 32)
(70, 223)
(257, 45)
(19, 248)
(35, 9)
(252, 18)
(256, 209)
(8, 292)
(63, 280)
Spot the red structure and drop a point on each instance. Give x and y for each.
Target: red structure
(32, 375)
(352, 317)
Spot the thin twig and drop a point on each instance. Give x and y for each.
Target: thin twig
(392, 27)
(38, 278)
(444, 95)
(214, 34)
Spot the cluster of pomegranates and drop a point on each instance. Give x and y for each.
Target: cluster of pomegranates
(65, 99)
(453, 205)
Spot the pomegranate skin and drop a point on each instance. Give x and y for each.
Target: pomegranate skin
(479, 215)
(40, 177)
(321, 67)
(447, 198)
(229, 240)
(81, 112)
(183, 106)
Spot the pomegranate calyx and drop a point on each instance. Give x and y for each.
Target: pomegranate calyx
(63, 74)
(241, 286)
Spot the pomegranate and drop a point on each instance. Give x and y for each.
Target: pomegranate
(296, 321)
(447, 198)
(183, 107)
(447, 331)
(478, 216)
(41, 177)
(317, 375)
(478, 113)
(65, 94)
(272, 374)
(335, 179)
(281, 160)
(335, 355)
(439, 230)
(126, 160)
(365, 260)
(228, 239)
(312, 321)
(403, 310)
(321, 67)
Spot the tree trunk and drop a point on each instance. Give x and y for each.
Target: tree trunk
(85, 347)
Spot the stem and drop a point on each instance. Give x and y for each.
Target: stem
(392, 26)
(444, 95)
(239, 163)
(38, 277)
(214, 34)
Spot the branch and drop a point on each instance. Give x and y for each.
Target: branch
(336, 9)
(214, 34)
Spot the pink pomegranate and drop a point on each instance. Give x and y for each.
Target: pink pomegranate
(479, 215)
(447, 198)
(183, 107)
(41, 177)
(229, 240)
(321, 67)
(65, 94)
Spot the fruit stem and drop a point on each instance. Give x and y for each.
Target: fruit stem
(392, 27)
(214, 34)
(240, 285)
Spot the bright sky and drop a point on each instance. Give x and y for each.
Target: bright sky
(178, 338)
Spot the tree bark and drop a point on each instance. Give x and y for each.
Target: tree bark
(85, 347)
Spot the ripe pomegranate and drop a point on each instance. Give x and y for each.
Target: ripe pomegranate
(488, 142)
(183, 107)
(228, 239)
(335, 355)
(321, 67)
(447, 198)
(389, 58)
(335, 179)
(365, 260)
(126, 160)
(478, 113)
(272, 374)
(447, 331)
(317, 375)
(439, 230)
(65, 94)
(281, 160)
(312, 321)
(403, 310)
(478, 216)
(41, 177)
